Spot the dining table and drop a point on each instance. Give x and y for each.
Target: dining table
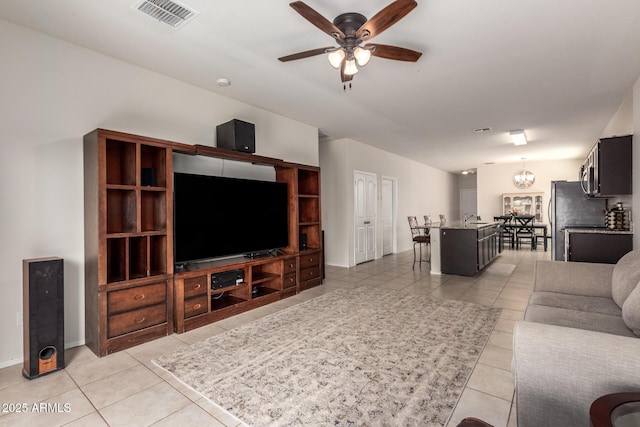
(514, 223)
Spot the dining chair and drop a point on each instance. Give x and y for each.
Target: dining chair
(541, 237)
(525, 231)
(419, 237)
(507, 233)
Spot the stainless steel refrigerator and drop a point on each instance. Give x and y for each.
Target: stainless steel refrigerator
(570, 208)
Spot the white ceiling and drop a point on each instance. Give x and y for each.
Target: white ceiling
(558, 69)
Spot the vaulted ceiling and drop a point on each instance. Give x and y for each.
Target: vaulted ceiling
(558, 69)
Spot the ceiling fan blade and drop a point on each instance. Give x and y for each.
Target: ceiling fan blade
(305, 54)
(386, 18)
(344, 77)
(316, 19)
(394, 52)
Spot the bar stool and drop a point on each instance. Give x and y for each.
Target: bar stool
(420, 237)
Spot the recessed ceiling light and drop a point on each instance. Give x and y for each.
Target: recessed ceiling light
(480, 130)
(518, 137)
(223, 82)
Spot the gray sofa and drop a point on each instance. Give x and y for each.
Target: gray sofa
(579, 340)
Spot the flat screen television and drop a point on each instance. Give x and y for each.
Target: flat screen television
(216, 216)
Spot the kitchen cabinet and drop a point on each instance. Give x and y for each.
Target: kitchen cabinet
(606, 171)
(596, 246)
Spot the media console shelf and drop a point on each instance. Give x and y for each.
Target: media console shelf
(132, 293)
(266, 280)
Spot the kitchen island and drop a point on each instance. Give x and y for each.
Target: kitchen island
(466, 248)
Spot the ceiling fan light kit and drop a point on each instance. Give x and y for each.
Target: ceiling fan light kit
(335, 57)
(350, 30)
(363, 55)
(350, 67)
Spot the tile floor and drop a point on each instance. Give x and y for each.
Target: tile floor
(126, 389)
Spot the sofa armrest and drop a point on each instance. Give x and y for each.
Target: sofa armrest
(574, 278)
(560, 371)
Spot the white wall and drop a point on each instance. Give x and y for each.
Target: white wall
(421, 190)
(468, 182)
(622, 121)
(52, 94)
(494, 180)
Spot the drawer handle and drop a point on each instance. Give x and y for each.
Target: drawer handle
(197, 286)
(292, 265)
(139, 297)
(140, 319)
(197, 306)
(311, 273)
(310, 259)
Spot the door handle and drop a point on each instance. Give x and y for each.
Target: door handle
(367, 222)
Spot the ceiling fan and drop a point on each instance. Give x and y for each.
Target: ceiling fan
(350, 30)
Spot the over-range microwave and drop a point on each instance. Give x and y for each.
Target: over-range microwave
(606, 172)
(588, 173)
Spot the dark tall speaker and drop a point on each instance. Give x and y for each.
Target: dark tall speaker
(236, 135)
(43, 311)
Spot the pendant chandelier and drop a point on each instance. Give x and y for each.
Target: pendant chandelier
(523, 178)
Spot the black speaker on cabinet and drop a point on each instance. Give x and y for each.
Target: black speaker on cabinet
(43, 316)
(303, 241)
(149, 177)
(236, 135)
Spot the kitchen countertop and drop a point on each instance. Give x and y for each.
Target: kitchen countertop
(596, 231)
(471, 225)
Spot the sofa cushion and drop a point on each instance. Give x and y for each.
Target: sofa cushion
(597, 322)
(626, 275)
(576, 302)
(631, 311)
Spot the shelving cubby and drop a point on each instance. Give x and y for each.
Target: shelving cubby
(266, 279)
(128, 239)
(153, 208)
(120, 162)
(309, 225)
(229, 297)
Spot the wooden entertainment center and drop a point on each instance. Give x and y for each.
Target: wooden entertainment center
(132, 293)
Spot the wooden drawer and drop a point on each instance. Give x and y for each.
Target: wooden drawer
(195, 286)
(195, 306)
(309, 260)
(309, 273)
(289, 265)
(132, 298)
(141, 318)
(289, 280)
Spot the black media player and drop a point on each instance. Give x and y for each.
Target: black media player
(225, 279)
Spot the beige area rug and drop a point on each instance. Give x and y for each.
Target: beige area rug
(351, 357)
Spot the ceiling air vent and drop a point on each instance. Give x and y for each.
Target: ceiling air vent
(170, 12)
